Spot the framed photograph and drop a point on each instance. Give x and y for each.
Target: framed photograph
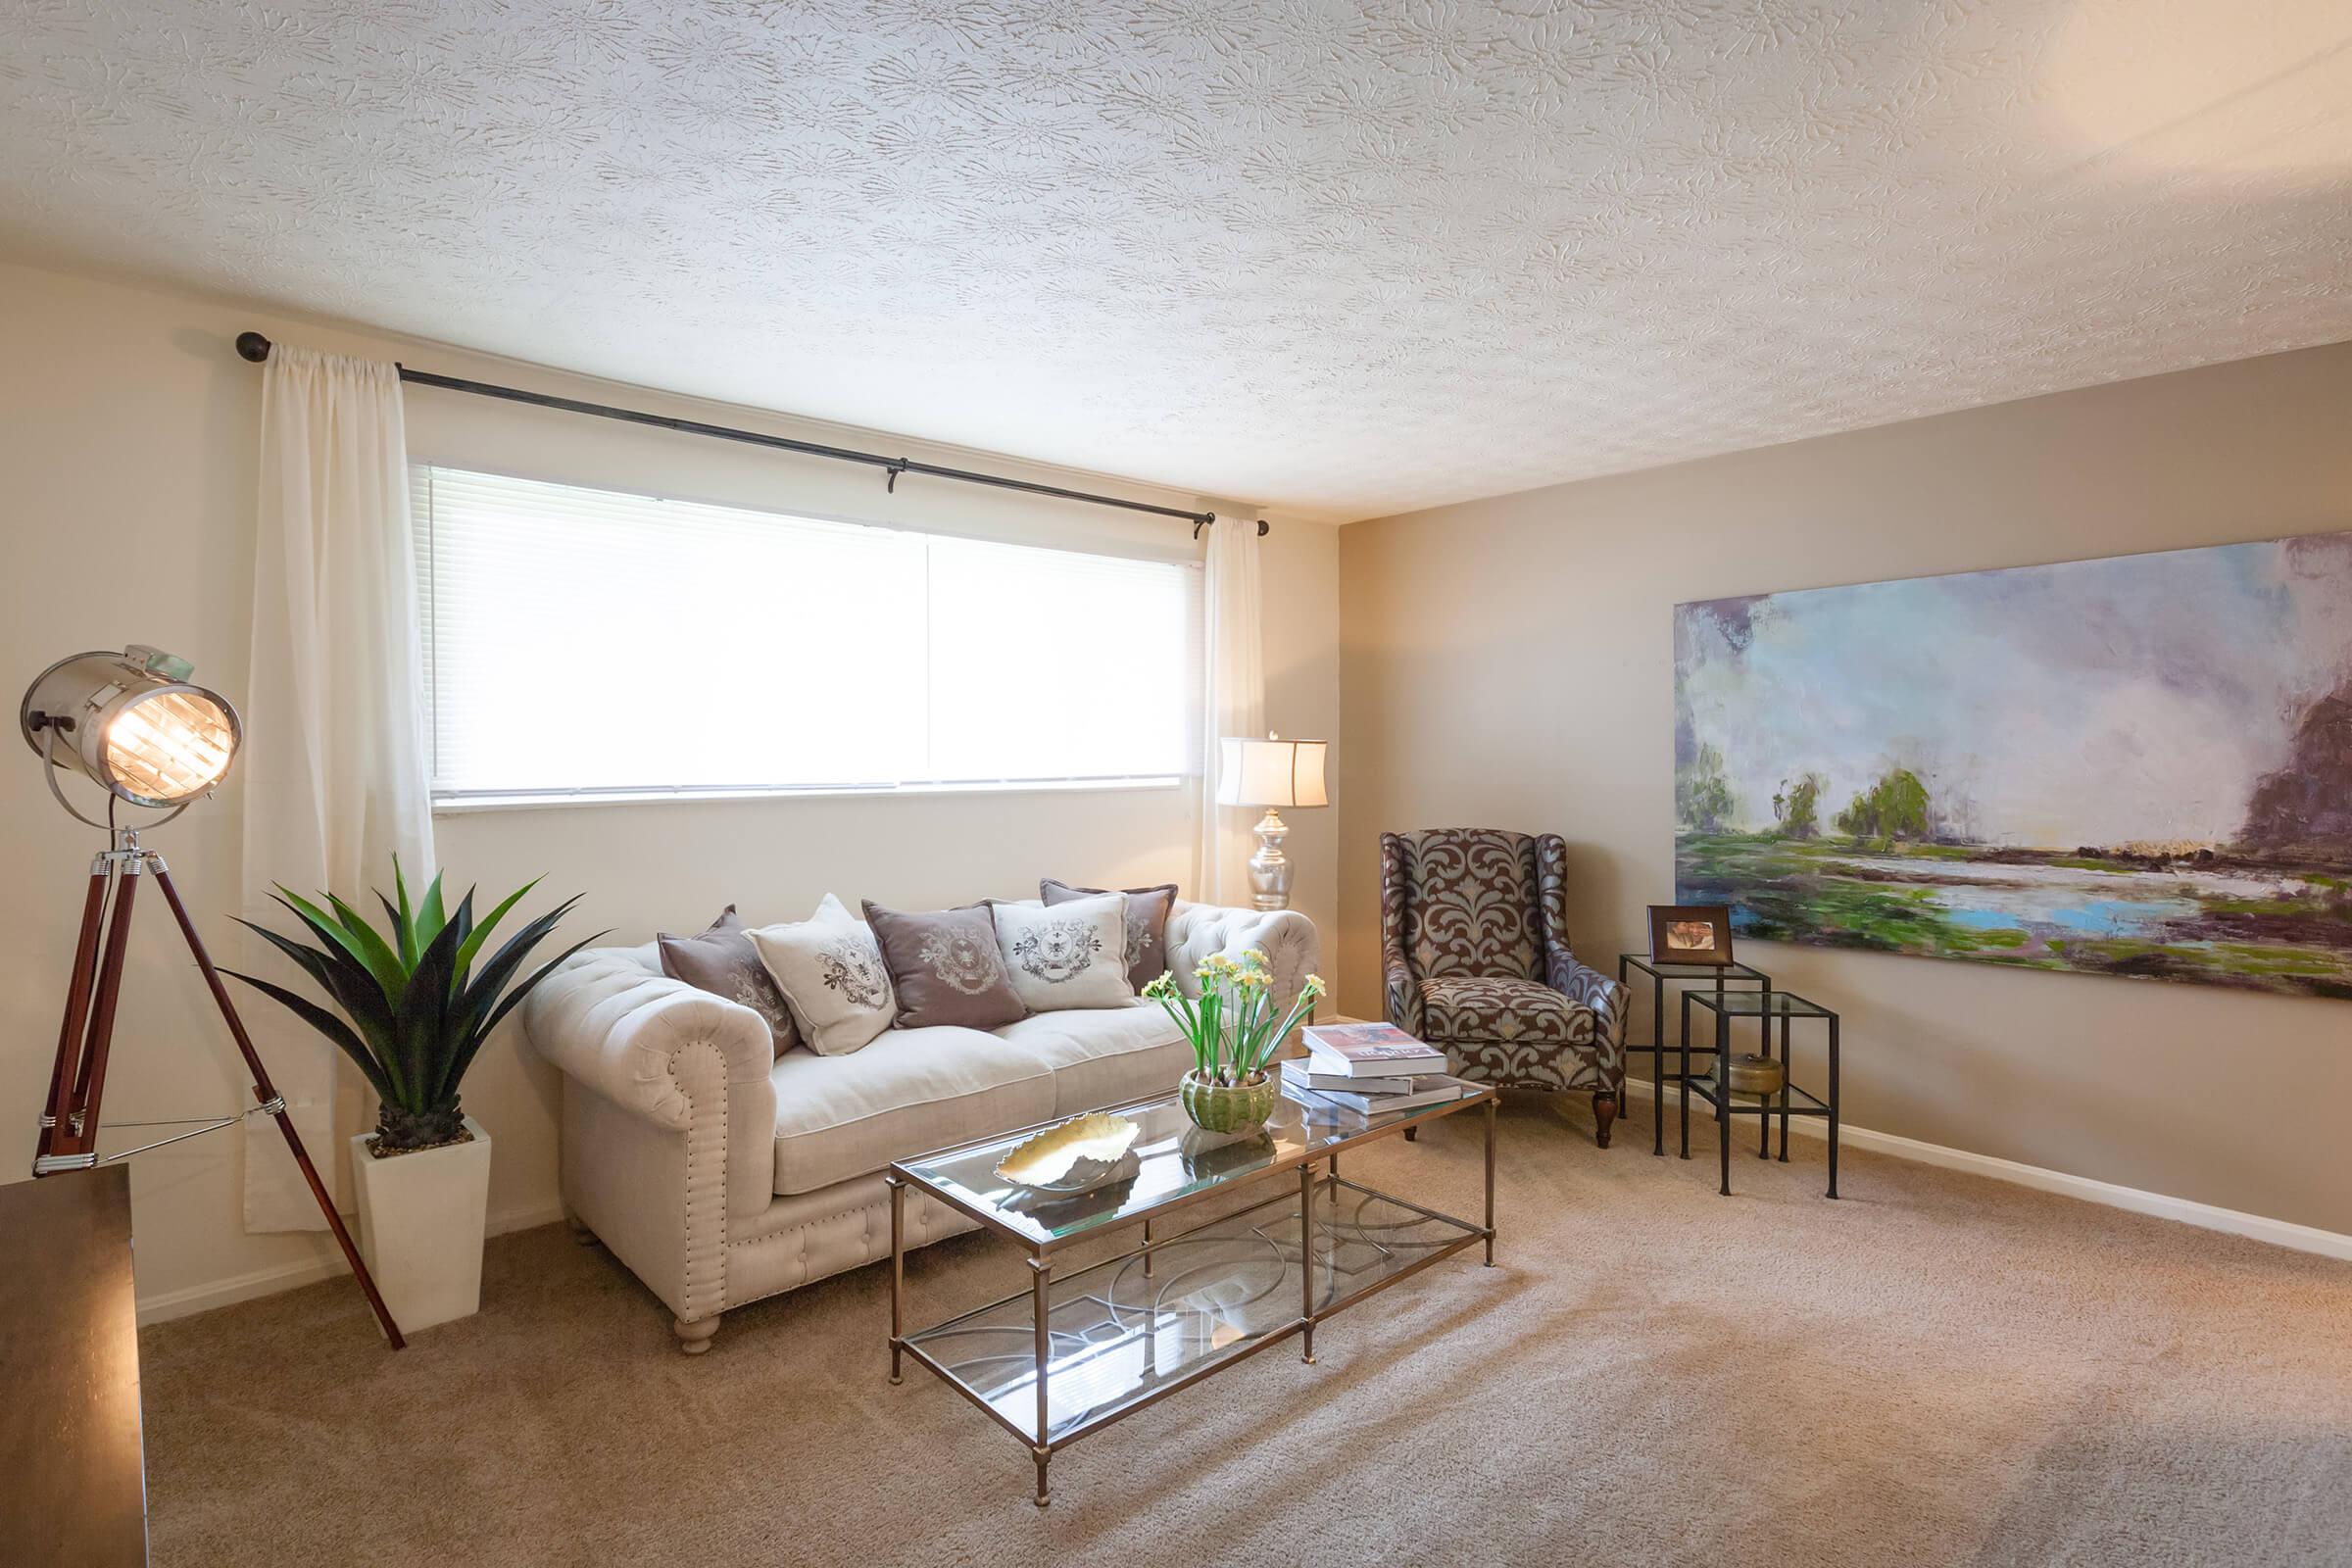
(1691, 933)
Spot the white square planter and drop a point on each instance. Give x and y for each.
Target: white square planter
(421, 1221)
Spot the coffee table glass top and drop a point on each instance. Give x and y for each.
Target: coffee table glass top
(1758, 1004)
(1173, 1161)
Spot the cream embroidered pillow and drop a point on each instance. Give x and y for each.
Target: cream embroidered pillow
(830, 971)
(1072, 955)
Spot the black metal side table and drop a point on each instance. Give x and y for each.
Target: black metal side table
(1715, 1087)
(1719, 976)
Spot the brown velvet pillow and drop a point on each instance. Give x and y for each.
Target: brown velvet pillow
(946, 967)
(723, 961)
(1147, 910)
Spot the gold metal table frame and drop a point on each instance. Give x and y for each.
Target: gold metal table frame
(1395, 1239)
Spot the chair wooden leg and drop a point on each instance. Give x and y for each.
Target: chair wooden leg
(1604, 1114)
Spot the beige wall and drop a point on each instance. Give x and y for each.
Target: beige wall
(1508, 663)
(127, 440)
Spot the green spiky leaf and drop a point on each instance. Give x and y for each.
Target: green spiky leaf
(429, 917)
(327, 1024)
(389, 977)
(473, 943)
(404, 918)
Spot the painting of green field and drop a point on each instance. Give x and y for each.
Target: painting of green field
(2135, 766)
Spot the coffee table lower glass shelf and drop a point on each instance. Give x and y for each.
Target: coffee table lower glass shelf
(1078, 1351)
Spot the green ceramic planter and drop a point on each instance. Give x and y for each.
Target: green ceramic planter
(1222, 1108)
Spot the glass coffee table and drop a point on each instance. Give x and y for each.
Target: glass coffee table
(1079, 1350)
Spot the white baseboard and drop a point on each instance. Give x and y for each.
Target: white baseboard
(2205, 1216)
(188, 1300)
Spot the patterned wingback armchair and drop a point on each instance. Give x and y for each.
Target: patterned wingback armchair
(1474, 939)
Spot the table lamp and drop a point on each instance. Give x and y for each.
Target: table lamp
(1272, 773)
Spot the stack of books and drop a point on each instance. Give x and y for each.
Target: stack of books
(1368, 1067)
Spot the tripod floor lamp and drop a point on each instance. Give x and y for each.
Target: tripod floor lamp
(132, 724)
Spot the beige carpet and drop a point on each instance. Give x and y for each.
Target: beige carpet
(1934, 1369)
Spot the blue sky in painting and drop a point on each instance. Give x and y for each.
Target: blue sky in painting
(2102, 702)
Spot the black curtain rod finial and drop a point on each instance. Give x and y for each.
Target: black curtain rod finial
(253, 346)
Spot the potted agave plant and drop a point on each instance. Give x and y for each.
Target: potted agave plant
(1233, 1032)
(414, 1014)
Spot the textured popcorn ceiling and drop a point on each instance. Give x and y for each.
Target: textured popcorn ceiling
(1341, 259)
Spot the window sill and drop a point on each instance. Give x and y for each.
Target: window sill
(526, 800)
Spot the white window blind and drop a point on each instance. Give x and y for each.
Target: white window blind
(590, 643)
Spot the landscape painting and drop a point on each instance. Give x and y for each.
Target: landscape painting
(2134, 766)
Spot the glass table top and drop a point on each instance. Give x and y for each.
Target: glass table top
(1757, 1005)
(1172, 1162)
(1666, 969)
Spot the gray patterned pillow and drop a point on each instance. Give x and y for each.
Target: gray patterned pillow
(945, 967)
(1071, 956)
(1147, 910)
(832, 973)
(723, 961)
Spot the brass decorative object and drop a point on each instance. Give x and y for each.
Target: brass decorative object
(1077, 1156)
(1753, 1074)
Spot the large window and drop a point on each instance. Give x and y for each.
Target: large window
(588, 643)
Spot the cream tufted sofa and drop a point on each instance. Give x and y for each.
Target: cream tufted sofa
(720, 1173)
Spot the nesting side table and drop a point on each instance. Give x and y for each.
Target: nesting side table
(1721, 976)
(1715, 1087)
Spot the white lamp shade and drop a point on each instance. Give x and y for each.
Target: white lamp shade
(1255, 772)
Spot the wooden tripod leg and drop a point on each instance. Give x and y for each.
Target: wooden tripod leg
(266, 1092)
(67, 1071)
(92, 1087)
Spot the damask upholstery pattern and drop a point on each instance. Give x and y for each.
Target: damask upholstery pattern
(1469, 905)
(1515, 1011)
(1474, 933)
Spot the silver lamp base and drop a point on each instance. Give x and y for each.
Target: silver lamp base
(1269, 867)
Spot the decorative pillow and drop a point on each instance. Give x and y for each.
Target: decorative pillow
(723, 961)
(1147, 911)
(946, 967)
(1070, 956)
(831, 971)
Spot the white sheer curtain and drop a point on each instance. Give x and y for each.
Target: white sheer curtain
(335, 771)
(1234, 702)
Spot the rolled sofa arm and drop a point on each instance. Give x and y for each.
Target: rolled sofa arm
(681, 1058)
(1287, 938)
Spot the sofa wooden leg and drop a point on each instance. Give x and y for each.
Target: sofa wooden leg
(1412, 1135)
(1604, 1114)
(580, 1232)
(694, 1337)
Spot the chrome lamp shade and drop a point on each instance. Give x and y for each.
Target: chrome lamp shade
(132, 724)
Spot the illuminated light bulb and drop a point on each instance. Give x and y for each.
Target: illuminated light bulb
(168, 747)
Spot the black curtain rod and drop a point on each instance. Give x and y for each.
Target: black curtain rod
(255, 347)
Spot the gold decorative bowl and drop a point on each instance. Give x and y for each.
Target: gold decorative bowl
(1079, 1156)
(1750, 1073)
